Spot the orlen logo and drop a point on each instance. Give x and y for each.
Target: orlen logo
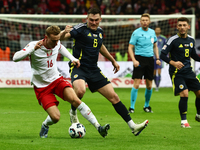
(115, 80)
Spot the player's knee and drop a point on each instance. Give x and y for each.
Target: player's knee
(114, 98)
(136, 85)
(197, 94)
(149, 86)
(80, 93)
(55, 118)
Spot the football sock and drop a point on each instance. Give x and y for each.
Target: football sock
(184, 121)
(197, 104)
(48, 121)
(87, 114)
(158, 80)
(131, 124)
(155, 79)
(134, 93)
(183, 107)
(148, 94)
(73, 108)
(122, 111)
(74, 112)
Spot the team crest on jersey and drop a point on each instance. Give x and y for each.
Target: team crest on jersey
(100, 35)
(152, 40)
(27, 45)
(191, 45)
(75, 76)
(181, 86)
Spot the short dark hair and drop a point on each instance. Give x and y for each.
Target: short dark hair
(94, 11)
(157, 27)
(184, 19)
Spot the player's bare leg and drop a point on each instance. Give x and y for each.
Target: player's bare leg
(70, 96)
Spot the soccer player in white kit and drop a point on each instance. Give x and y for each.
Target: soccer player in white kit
(47, 81)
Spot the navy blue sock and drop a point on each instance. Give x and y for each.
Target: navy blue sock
(122, 111)
(183, 107)
(73, 108)
(155, 80)
(158, 78)
(197, 104)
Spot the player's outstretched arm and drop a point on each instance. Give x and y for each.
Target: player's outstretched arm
(64, 34)
(20, 55)
(67, 54)
(105, 53)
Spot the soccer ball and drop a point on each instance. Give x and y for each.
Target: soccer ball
(77, 130)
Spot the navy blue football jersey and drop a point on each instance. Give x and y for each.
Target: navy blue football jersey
(87, 44)
(180, 49)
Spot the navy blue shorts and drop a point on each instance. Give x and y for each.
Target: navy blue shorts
(185, 81)
(146, 68)
(157, 66)
(94, 77)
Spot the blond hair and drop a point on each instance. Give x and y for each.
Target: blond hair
(145, 15)
(55, 30)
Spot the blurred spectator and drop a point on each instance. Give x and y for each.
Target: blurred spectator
(54, 6)
(36, 34)
(121, 56)
(5, 54)
(4, 49)
(16, 4)
(143, 9)
(151, 5)
(81, 8)
(43, 6)
(137, 5)
(25, 37)
(179, 7)
(103, 7)
(129, 9)
(13, 39)
(2, 10)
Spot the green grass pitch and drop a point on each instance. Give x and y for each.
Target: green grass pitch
(21, 117)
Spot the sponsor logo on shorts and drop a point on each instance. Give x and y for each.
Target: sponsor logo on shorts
(75, 76)
(181, 86)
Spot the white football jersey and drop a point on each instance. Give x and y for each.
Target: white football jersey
(43, 62)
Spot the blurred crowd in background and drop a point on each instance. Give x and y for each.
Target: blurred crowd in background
(114, 7)
(111, 7)
(15, 36)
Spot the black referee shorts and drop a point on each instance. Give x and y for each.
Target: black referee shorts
(146, 68)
